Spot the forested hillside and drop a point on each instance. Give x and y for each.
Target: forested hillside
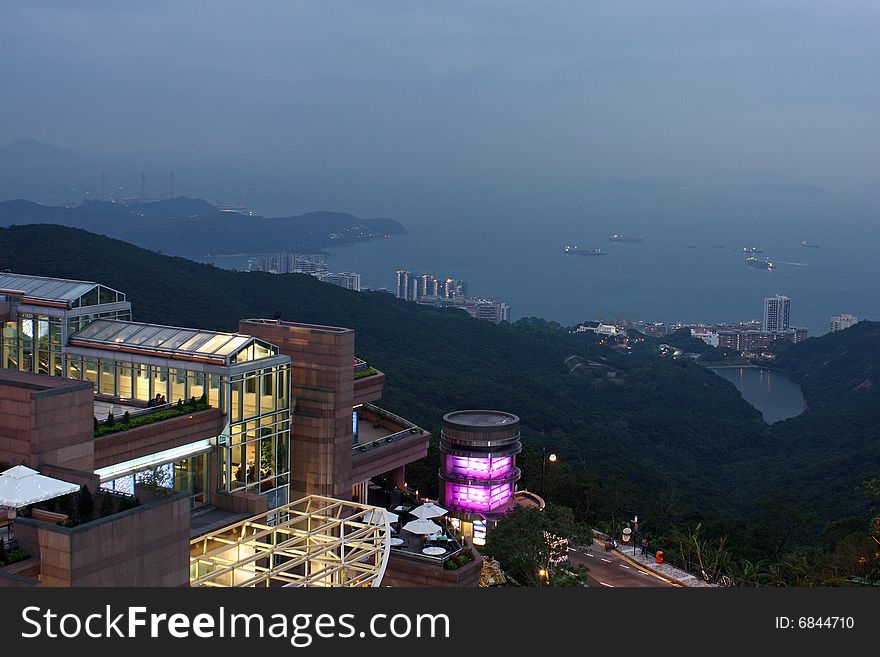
(656, 423)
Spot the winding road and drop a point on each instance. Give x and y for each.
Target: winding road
(609, 569)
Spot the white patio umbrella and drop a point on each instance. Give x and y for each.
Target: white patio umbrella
(377, 516)
(429, 510)
(422, 526)
(21, 486)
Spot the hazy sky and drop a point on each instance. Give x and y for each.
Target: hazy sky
(511, 92)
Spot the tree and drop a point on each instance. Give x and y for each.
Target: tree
(531, 544)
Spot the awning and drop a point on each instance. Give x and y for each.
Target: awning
(421, 526)
(429, 510)
(377, 516)
(21, 486)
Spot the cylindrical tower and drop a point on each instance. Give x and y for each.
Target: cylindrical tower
(478, 463)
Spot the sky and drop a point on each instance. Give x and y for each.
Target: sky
(361, 104)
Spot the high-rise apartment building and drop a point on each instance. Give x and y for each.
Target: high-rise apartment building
(346, 279)
(840, 322)
(777, 310)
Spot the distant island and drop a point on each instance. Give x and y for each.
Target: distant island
(194, 227)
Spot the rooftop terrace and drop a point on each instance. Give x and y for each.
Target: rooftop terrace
(71, 293)
(172, 341)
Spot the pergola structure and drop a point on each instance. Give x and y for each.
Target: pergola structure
(316, 541)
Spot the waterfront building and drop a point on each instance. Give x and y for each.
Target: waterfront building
(453, 289)
(656, 330)
(777, 310)
(407, 287)
(599, 328)
(346, 279)
(844, 321)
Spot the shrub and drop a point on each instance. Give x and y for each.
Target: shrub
(85, 504)
(110, 419)
(106, 505)
(126, 417)
(12, 556)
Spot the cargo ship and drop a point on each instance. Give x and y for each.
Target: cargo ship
(632, 239)
(575, 250)
(760, 263)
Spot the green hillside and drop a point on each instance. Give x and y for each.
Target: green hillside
(656, 424)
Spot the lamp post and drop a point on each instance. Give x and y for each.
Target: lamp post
(544, 458)
(635, 533)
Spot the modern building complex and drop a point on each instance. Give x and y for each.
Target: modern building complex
(204, 427)
(751, 337)
(428, 290)
(841, 322)
(292, 263)
(413, 287)
(777, 310)
(347, 279)
(478, 470)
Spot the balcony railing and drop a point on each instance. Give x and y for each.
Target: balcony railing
(362, 369)
(408, 429)
(148, 415)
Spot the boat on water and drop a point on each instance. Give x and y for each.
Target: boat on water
(807, 244)
(760, 263)
(752, 249)
(576, 250)
(632, 239)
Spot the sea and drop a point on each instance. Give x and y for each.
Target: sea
(690, 266)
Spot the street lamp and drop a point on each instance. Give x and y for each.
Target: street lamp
(544, 458)
(635, 533)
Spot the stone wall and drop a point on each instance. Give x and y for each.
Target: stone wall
(144, 546)
(322, 385)
(46, 420)
(148, 439)
(405, 571)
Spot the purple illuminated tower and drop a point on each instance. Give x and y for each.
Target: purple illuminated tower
(478, 461)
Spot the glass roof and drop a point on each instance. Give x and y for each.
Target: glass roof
(49, 289)
(120, 334)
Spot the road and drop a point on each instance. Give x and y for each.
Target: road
(607, 568)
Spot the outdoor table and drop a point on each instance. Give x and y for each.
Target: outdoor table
(434, 551)
(396, 541)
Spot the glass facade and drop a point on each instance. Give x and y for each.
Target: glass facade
(469, 499)
(188, 475)
(33, 342)
(255, 451)
(134, 362)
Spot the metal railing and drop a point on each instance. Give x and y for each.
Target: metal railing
(408, 430)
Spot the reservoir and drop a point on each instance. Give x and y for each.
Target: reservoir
(772, 393)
